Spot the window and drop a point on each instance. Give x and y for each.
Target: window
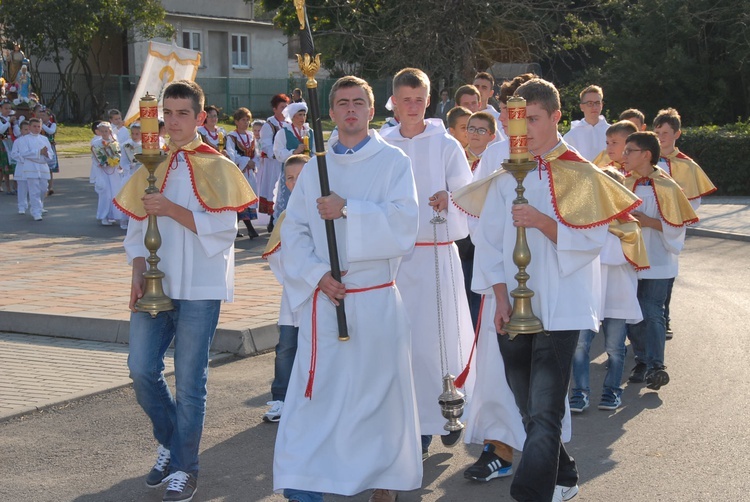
(191, 40)
(240, 51)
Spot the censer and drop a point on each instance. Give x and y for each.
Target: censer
(452, 400)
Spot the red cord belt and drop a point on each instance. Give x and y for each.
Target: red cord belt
(314, 354)
(446, 243)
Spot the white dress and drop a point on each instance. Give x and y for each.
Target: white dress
(359, 429)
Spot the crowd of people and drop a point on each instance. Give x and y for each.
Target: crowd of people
(425, 226)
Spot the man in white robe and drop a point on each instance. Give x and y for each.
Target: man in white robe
(350, 419)
(439, 165)
(589, 135)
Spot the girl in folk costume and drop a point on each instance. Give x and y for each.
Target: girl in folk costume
(294, 138)
(130, 148)
(108, 177)
(49, 128)
(210, 133)
(256, 126)
(271, 166)
(241, 150)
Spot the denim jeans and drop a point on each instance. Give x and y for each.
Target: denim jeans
(302, 495)
(614, 331)
(475, 300)
(649, 336)
(668, 300)
(286, 350)
(537, 368)
(177, 420)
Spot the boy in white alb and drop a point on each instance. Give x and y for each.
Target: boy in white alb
(439, 165)
(588, 136)
(196, 212)
(33, 154)
(350, 421)
(22, 188)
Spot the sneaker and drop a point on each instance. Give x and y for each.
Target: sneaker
(670, 333)
(182, 486)
(610, 402)
(44, 211)
(638, 374)
(564, 493)
(425, 454)
(579, 402)
(489, 466)
(273, 414)
(451, 439)
(381, 495)
(106, 223)
(657, 378)
(21, 212)
(160, 471)
(37, 218)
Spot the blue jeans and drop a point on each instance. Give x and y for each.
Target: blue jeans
(286, 350)
(668, 300)
(177, 420)
(614, 331)
(475, 300)
(649, 336)
(302, 495)
(537, 368)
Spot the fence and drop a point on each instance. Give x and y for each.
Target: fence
(227, 93)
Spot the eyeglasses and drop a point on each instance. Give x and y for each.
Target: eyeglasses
(591, 103)
(628, 151)
(479, 130)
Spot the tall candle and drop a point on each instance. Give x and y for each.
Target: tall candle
(149, 108)
(519, 151)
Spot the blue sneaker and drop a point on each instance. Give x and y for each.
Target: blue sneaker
(578, 402)
(610, 402)
(489, 466)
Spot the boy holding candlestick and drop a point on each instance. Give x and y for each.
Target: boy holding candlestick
(196, 212)
(570, 203)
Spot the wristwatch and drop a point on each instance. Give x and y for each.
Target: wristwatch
(343, 212)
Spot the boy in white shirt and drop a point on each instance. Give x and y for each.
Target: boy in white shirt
(33, 154)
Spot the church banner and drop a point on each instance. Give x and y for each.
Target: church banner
(164, 64)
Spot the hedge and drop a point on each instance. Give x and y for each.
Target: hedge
(723, 153)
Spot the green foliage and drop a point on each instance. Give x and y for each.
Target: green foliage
(722, 152)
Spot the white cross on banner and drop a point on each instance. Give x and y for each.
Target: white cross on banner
(164, 64)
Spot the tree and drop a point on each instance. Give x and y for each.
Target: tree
(450, 40)
(74, 35)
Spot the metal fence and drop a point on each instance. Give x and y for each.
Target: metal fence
(227, 93)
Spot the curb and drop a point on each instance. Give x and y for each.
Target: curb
(717, 234)
(244, 342)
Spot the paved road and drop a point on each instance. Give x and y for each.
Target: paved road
(687, 442)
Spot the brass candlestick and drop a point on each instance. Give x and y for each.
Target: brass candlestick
(153, 300)
(522, 319)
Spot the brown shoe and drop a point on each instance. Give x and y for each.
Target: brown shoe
(381, 495)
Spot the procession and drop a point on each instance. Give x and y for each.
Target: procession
(444, 277)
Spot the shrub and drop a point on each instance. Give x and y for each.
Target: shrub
(724, 154)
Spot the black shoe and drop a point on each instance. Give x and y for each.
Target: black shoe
(160, 471)
(240, 234)
(638, 375)
(657, 378)
(182, 486)
(451, 439)
(251, 232)
(489, 466)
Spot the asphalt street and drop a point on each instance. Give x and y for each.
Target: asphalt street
(689, 441)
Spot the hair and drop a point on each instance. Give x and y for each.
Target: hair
(508, 88)
(647, 140)
(95, 125)
(278, 99)
(485, 76)
(186, 89)
(487, 118)
(297, 89)
(668, 116)
(539, 91)
(23, 123)
(625, 127)
(456, 113)
(614, 174)
(241, 113)
(212, 108)
(351, 81)
(34, 120)
(257, 122)
(299, 158)
(114, 111)
(465, 90)
(444, 90)
(632, 113)
(592, 88)
(411, 77)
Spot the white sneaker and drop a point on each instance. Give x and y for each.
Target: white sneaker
(274, 412)
(564, 493)
(106, 223)
(21, 212)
